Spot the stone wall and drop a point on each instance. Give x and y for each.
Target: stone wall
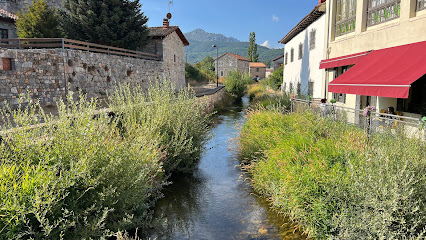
(49, 74)
(173, 59)
(11, 28)
(15, 6)
(228, 63)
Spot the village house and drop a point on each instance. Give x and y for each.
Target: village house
(169, 43)
(277, 62)
(7, 24)
(375, 55)
(230, 62)
(303, 51)
(258, 70)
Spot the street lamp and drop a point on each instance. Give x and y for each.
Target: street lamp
(217, 65)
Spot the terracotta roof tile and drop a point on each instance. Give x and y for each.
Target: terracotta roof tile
(257, 64)
(235, 56)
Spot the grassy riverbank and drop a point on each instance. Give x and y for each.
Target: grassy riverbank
(332, 181)
(81, 177)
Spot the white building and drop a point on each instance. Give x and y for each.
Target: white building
(303, 52)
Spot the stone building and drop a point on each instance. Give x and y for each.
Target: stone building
(7, 24)
(231, 62)
(277, 62)
(169, 43)
(258, 70)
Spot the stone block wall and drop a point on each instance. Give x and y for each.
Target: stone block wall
(174, 59)
(15, 6)
(49, 73)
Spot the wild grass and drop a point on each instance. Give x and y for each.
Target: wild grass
(86, 177)
(332, 181)
(262, 97)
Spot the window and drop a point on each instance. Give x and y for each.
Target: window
(292, 55)
(380, 11)
(340, 97)
(312, 36)
(4, 33)
(221, 73)
(257, 69)
(291, 89)
(421, 4)
(286, 58)
(345, 17)
(300, 51)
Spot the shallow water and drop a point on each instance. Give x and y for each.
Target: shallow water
(214, 202)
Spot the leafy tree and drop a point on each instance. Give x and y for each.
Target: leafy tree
(206, 65)
(38, 21)
(252, 48)
(267, 63)
(118, 23)
(276, 78)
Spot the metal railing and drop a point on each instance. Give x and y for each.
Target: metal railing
(371, 121)
(383, 11)
(64, 43)
(421, 5)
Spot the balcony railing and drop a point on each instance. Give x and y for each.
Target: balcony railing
(383, 12)
(345, 26)
(421, 5)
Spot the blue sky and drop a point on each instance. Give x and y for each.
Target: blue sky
(270, 19)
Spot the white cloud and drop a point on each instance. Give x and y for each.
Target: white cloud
(275, 18)
(266, 44)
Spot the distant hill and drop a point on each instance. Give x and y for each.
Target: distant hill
(201, 44)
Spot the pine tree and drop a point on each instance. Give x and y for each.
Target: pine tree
(118, 23)
(252, 48)
(38, 21)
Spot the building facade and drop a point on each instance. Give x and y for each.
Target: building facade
(169, 43)
(231, 62)
(258, 70)
(7, 24)
(303, 51)
(359, 32)
(277, 62)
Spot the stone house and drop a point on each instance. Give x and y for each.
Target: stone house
(277, 62)
(231, 62)
(15, 6)
(376, 55)
(7, 24)
(258, 69)
(303, 51)
(169, 43)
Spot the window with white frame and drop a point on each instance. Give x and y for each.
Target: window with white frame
(312, 39)
(345, 17)
(380, 11)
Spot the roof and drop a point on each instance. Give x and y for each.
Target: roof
(234, 56)
(7, 16)
(257, 64)
(161, 32)
(316, 13)
(278, 58)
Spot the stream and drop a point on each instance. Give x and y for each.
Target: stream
(214, 202)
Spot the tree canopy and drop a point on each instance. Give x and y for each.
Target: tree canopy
(252, 48)
(118, 23)
(38, 21)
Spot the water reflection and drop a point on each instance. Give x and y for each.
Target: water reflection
(213, 202)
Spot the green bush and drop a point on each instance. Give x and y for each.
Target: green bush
(276, 79)
(261, 98)
(334, 182)
(237, 82)
(80, 176)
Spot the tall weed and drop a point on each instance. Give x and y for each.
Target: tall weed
(237, 82)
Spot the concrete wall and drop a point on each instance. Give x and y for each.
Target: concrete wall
(47, 74)
(410, 27)
(306, 69)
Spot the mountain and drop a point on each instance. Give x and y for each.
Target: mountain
(201, 44)
(203, 36)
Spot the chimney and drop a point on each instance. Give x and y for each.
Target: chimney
(321, 1)
(165, 22)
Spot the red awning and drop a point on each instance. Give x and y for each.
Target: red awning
(343, 61)
(385, 73)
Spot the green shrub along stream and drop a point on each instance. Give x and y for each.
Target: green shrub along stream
(332, 180)
(86, 177)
